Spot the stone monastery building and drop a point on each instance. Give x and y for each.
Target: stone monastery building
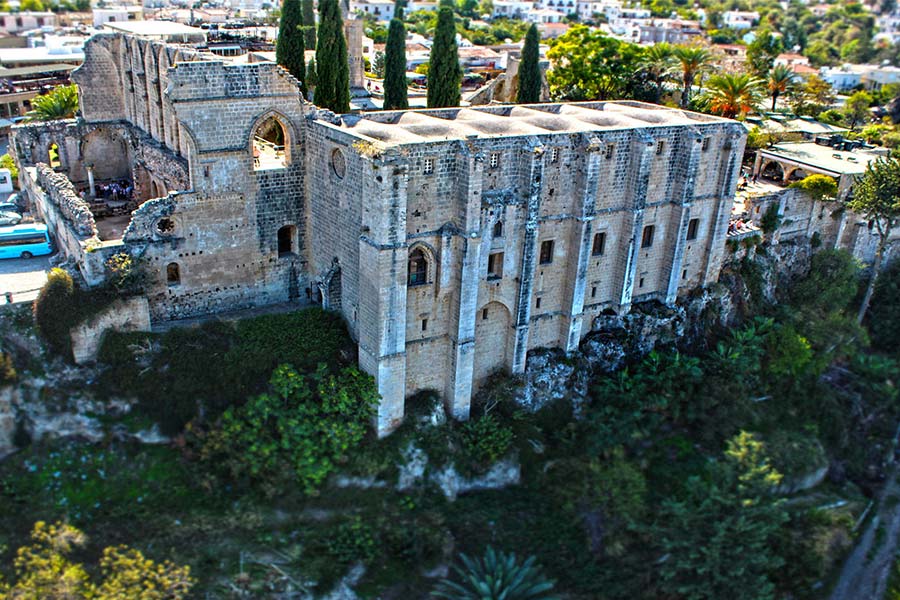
(452, 241)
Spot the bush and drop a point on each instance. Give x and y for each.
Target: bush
(770, 219)
(352, 541)
(55, 313)
(7, 162)
(485, 440)
(884, 314)
(496, 575)
(300, 429)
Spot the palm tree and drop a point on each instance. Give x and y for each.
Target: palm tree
(732, 95)
(693, 59)
(60, 103)
(658, 63)
(781, 80)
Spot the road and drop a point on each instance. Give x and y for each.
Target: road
(23, 277)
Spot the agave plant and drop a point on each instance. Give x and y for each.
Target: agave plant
(496, 576)
(60, 103)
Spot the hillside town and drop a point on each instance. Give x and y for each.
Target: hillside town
(497, 299)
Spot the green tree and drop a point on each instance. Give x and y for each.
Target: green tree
(719, 538)
(693, 60)
(589, 65)
(529, 91)
(311, 77)
(732, 95)
(812, 97)
(762, 52)
(658, 64)
(53, 304)
(818, 187)
(444, 73)
(304, 426)
(781, 79)
(44, 569)
(332, 66)
(60, 103)
(395, 84)
(7, 162)
(884, 316)
(290, 46)
(309, 25)
(496, 576)
(856, 109)
(876, 196)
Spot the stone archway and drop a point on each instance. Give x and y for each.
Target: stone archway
(106, 152)
(492, 333)
(773, 171)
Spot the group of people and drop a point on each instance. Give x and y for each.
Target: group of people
(746, 179)
(115, 191)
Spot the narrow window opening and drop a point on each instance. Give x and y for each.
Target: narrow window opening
(495, 265)
(53, 155)
(538, 303)
(693, 225)
(498, 229)
(484, 315)
(660, 146)
(495, 160)
(268, 144)
(418, 268)
(647, 238)
(286, 236)
(594, 292)
(610, 151)
(429, 166)
(554, 155)
(599, 244)
(424, 324)
(173, 274)
(705, 145)
(684, 274)
(546, 252)
(641, 282)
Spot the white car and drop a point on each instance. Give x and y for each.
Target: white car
(8, 217)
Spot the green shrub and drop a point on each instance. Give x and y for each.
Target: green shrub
(300, 429)
(7, 162)
(485, 440)
(884, 314)
(54, 311)
(352, 541)
(770, 219)
(496, 576)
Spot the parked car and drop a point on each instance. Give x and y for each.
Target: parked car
(8, 217)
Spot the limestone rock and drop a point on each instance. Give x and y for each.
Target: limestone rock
(502, 474)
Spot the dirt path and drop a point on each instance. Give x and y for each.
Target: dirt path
(866, 571)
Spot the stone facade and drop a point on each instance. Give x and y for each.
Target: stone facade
(453, 241)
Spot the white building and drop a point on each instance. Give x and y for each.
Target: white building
(611, 9)
(382, 10)
(738, 19)
(843, 78)
(546, 15)
(416, 5)
(511, 9)
(117, 14)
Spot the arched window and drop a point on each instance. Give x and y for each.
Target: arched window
(269, 145)
(418, 268)
(498, 229)
(173, 274)
(53, 153)
(286, 236)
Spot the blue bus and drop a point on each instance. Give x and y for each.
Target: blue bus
(24, 241)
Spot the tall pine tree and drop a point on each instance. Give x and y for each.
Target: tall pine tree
(395, 67)
(289, 47)
(530, 69)
(309, 24)
(332, 66)
(444, 72)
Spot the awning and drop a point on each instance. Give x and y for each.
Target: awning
(37, 69)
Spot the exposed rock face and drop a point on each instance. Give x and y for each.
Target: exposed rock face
(502, 474)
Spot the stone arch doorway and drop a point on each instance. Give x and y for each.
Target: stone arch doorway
(772, 171)
(105, 151)
(492, 333)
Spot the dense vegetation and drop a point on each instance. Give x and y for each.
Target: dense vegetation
(688, 453)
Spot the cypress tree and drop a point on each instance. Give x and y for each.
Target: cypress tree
(444, 72)
(289, 46)
(311, 79)
(332, 66)
(529, 90)
(309, 24)
(395, 67)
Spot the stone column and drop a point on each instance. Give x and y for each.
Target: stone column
(584, 228)
(459, 395)
(724, 202)
(529, 257)
(90, 173)
(644, 148)
(353, 31)
(695, 142)
(383, 257)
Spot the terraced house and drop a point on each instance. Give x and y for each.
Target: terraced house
(453, 241)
